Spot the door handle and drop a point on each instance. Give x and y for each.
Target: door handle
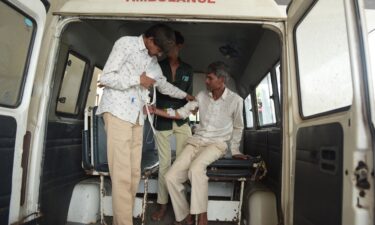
(61, 100)
(328, 160)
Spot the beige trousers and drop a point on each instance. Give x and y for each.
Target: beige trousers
(124, 152)
(164, 151)
(192, 164)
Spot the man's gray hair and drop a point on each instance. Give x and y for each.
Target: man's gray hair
(220, 69)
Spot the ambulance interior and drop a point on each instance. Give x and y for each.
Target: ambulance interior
(261, 72)
(253, 53)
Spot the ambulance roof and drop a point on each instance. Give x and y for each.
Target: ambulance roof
(211, 9)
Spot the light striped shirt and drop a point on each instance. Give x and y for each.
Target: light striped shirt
(123, 96)
(221, 120)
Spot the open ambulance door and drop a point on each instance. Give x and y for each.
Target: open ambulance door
(328, 132)
(21, 27)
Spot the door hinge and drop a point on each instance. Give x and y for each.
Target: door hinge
(361, 174)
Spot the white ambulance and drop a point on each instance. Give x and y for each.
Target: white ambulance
(304, 74)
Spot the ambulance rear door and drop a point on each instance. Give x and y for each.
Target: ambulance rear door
(21, 28)
(329, 134)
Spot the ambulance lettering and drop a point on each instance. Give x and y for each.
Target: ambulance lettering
(177, 1)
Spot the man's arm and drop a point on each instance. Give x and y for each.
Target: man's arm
(237, 132)
(181, 113)
(167, 88)
(167, 114)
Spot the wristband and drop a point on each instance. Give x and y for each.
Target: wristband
(171, 112)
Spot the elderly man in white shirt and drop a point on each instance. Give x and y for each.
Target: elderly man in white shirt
(221, 120)
(131, 69)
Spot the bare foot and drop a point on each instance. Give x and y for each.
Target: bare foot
(187, 221)
(202, 219)
(159, 214)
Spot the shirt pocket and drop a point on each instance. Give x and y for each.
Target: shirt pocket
(183, 82)
(185, 78)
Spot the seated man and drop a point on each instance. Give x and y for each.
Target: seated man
(221, 120)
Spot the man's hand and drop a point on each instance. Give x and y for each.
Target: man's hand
(145, 81)
(189, 97)
(151, 109)
(194, 111)
(240, 156)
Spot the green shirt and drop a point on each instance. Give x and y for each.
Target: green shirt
(184, 81)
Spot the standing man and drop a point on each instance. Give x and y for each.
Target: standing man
(124, 96)
(180, 74)
(221, 120)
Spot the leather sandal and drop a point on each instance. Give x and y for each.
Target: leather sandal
(184, 222)
(157, 216)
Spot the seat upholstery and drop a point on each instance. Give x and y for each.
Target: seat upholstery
(100, 143)
(231, 168)
(99, 148)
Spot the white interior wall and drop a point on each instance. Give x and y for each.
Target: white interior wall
(370, 17)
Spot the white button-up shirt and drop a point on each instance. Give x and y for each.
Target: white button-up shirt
(123, 96)
(221, 120)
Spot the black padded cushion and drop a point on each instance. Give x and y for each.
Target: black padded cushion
(100, 143)
(232, 168)
(150, 157)
(229, 173)
(234, 163)
(86, 162)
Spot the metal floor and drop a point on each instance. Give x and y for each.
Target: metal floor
(168, 219)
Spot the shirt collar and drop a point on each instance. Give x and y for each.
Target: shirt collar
(225, 93)
(223, 96)
(166, 61)
(141, 43)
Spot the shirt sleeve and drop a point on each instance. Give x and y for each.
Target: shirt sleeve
(154, 71)
(185, 110)
(237, 128)
(164, 86)
(167, 88)
(111, 76)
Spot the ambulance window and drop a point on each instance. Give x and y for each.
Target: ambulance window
(95, 92)
(17, 31)
(323, 59)
(249, 112)
(265, 103)
(71, 84)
